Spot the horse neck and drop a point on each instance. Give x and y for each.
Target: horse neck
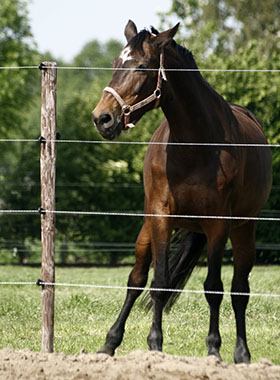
(194, 109)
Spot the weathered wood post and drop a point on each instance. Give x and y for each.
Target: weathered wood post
(48, 164)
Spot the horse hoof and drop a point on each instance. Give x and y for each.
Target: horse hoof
(156, 348)
(216, 354)
(106, 350)
(242, 359)
(241, 353)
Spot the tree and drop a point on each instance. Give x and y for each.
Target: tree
(16, 49)
(18, 87)
(222, 26)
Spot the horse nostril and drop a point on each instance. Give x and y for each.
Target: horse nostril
(105, 118)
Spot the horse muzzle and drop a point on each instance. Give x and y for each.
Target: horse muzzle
(107, 124)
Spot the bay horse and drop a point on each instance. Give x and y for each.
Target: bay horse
(195, 180)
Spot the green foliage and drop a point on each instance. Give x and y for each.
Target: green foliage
(223, 26)
(16, 49)
(18, 91)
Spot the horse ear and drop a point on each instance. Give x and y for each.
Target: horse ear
(130, 30)
(164, 38)
(154, 31)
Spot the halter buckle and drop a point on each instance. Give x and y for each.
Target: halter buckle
(157, 93)
(126, 109)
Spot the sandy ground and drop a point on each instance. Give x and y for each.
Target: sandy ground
(135, 366)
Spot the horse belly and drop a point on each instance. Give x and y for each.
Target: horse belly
(192, 203)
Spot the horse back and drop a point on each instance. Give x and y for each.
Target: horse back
(240, 111)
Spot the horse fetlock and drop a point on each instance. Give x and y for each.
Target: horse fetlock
(114, 338)
(214, 343)
(155, 340)
(241, 353)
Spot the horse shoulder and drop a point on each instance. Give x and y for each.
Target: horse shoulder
(155, 157)
(156, 153)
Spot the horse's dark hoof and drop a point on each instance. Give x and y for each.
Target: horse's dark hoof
(241, 353)
(106, 350)
(242, 359)
(215, 353)
(156, 348)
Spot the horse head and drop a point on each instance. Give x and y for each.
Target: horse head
(136, 84)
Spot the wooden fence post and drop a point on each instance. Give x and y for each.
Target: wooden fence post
(48, 167)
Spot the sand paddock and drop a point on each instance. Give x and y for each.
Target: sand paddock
(135, 366)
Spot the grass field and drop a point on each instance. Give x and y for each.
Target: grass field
(84, 315)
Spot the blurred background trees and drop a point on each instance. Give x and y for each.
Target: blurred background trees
(223, 26)
(102, 177)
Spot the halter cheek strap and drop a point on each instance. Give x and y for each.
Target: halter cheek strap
(156, 95)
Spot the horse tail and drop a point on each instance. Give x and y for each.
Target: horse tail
(182, 261)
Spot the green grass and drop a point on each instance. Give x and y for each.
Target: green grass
(84, 315)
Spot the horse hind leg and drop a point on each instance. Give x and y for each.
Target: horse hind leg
(217, 234)
(244, 251)
(137, 278)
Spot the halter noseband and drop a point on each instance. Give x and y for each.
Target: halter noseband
(156, 95)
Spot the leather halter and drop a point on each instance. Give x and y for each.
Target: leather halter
(156, 95)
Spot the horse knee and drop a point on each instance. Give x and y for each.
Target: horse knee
(240, 296)
(215, 285)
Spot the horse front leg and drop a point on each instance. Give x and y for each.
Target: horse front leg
(160, 237)
(217, 234)
(137, 278)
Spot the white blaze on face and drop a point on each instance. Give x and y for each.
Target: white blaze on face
(125, 55)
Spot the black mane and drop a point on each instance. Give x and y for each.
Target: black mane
(186, 55)
(137, 43)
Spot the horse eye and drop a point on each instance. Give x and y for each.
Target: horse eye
(141, 67)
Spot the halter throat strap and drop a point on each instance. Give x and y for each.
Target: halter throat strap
(156, 95)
